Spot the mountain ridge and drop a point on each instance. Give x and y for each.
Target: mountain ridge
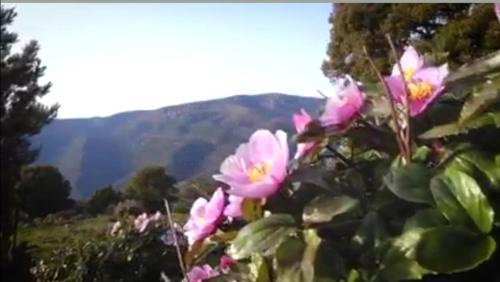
(188, 139)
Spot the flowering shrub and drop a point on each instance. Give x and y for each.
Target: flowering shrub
(391, 184)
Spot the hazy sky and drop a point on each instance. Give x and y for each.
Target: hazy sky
(108, 58)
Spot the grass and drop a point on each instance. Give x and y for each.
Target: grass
(49, 236)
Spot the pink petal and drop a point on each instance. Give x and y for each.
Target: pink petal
(200, 273)
(411, 60)
(215, 206)
(233, 209)
(497, 10)
(417, 107)
(257, 190)
(262, 146)
(396, 87)
(341, 108)
(303, 149)
(280, 158)
(301, 120)
(235, 167)
(432, 75)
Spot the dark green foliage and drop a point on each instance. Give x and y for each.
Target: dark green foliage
(21, 115)
(150, 186)
(43, 190)
(463, 31)
(103, 199)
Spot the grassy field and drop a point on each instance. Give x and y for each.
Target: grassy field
(47, 236)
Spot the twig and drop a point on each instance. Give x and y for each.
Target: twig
(340, 156)
(177, 248)
(407, 97)
(321, 93)
(391, 102)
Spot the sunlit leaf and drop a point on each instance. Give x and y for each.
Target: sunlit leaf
(469, 195)
(410, 183)
(262, 236)
(324, 208)
(448, 249)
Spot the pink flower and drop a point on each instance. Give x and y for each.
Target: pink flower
(141, 222)
(226, 262)
(341, 108)
(424, 83)
(233, 209)
(301, 120)
(200, 273)
(497, 10)
(116, 227)
(258, 167)
(204, 217)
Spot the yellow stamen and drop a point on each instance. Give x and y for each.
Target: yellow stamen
(408, 73)
(419, 90)
(258, 172)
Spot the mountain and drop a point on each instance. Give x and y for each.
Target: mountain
(190, 139)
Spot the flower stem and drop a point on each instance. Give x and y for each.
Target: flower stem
(340, 156)
(177, 248)
(407, 135)
(394, 114)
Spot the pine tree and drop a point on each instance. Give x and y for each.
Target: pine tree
(463, 31)
(21, 115)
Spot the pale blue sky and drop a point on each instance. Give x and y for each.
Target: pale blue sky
(108, 58)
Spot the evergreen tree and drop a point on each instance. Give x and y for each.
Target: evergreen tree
(463, 31)
(43, 190)
(150, 186)
(102, 199)
(21, 115)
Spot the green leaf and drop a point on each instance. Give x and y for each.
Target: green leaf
(469, 195)
(442, 130)
(410, 183)
(422, 153)
(470, 160)
(399, 262)
(477, 102)
(295, 258)
(474, 71)
(262, 236)
(251, 209)
(259, 270)
(324, 208)
(447, 249)
(454, 128)
(447, 203)
(424, 219)
(370, 233)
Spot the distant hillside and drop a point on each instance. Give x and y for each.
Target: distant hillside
(189, 139)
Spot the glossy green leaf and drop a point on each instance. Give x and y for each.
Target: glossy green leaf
(295, 258)
(410, 183)
(262, 236)
(370, 234)
(324, 208)
(454, 128)
(424, 219)
(259, 269)
(442, 130)
(477, 102)
(469, 195)
(470, 160)
(397, 264)
(447, 249)
(447, 203)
